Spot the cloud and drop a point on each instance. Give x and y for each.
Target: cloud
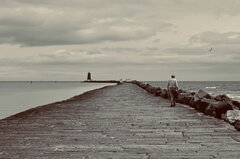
(230, 7)
(194, 51)
(216, 38)
(123, 56)
(70, 22)
(42, 26)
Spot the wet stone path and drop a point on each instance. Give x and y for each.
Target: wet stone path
(122, 121)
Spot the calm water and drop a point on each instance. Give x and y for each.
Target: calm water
(230, 88)
(17, 97)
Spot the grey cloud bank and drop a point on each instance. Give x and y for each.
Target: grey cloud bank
(138, 39)
(214, 38)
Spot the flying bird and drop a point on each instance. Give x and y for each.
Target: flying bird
(210, 50)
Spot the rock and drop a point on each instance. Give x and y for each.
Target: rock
(202, 104)
(236, 124)
(232, 105)
(164, 93)
(236, 103)
(233, 115)
(184, 98)
(222, 97)
(218, 108)
(194, 101)
(210, 110)
(158, 91)
(140, 84)
(144, 86)
(192, 93)
(181, 91)
(224, 117)
(203, 94)
(153, 90)
(222, 108)
(148, 87)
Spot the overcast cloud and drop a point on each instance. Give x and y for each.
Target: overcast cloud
(138, 39)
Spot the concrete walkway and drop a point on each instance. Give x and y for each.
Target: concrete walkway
(122, 121)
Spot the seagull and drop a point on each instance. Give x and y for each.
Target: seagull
(210, 49)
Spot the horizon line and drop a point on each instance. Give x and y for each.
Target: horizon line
(115, 80)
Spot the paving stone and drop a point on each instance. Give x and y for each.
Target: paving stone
(122, 121)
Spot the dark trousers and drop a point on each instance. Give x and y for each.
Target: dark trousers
(173, 95)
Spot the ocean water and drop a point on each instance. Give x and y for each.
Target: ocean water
(230, 88)
(17, 97)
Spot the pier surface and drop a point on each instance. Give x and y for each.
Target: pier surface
(122, 121)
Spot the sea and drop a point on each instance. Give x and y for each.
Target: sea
(16, 97)
(230, 88)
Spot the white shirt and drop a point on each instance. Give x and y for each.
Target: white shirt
(172, 83)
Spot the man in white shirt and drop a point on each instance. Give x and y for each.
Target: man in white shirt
(173, 89)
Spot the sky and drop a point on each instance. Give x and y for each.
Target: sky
(113, 39)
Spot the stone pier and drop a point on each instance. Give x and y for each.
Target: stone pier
(122, 121)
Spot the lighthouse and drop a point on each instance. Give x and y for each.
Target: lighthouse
(89, 78)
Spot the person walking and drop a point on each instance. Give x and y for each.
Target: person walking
(172, 89)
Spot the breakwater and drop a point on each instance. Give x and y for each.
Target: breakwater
(103, 81)
(202, 101)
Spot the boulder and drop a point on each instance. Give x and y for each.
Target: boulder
(222, 97)
(236, 103)
(149, 88)
(158, 91)
(236, 124)
(233, 115)
(224, 117)
(140, 84)
(184, 98)
(164, 93)
(181, 91)
(192, 93)
(210, 110)
(152, 90)
(218, 108)
(202, 104)
(232, 105)
(134, 82)
(221, 108)
(144, 86)
(194, 101)
(203, 94)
